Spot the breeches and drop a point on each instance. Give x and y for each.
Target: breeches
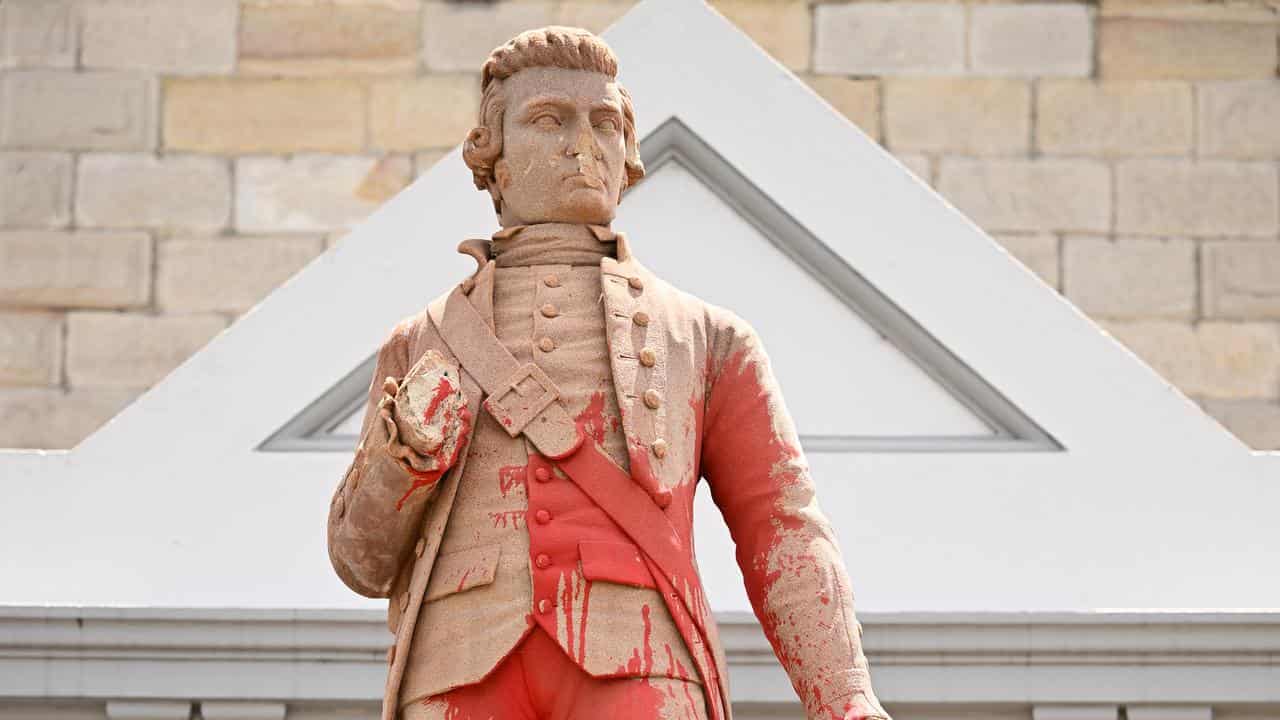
(537, 681)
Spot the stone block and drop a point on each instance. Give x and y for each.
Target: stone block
(971, 116)
(170, 191)
(1170, 348)
(38, 33)
(920, 165)
(227, 275)
(77, 110)
(1130, 278)
(54, 419)
(1147, 47)
(1240, 119)
(889, 38)
(75, 269)
(1029, 195)
(781, 27)
(35, 189)
(1255, 422)
(1241, 360)
(434, 111)
(1114, 118)
(30, 348)
(122, 350)
(1039, 253)
(308, 192)
(1210, 198)
(328, 38)
(174, 37)
(1241, 280)
(459, 36)
(594, 15)
(220, 115)
(1033, 39)
(857, 100)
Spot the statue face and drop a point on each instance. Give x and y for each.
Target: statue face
(563, 148)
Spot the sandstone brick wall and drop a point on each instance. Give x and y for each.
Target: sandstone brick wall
(165, 163)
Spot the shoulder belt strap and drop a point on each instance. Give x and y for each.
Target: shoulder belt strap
(524, 400)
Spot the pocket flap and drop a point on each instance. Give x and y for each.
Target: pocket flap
(614, 562)
(458, 571)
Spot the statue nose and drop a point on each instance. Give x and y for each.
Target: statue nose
(586, 147)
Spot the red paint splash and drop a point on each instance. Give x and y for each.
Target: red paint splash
(511, 477)
(648, 636)
(442, 391)
(429, 477)
(591, 421)
(507, 518)
(582, 625)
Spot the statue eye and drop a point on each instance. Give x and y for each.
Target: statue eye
(547, 121)
(608, 124)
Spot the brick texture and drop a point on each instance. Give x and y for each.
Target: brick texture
(1029, 196)
(51, 418)
(328, 38)
(77, 111)
(40, 33)
(168, 36)
(120, 350)
(172, 191)
(781, 27)
(80, 269)
(1178, 197)
(962, 116)
(1255, 422)
(892, 38)
(1241, 280)
(1240, 119)
(1116, 118)
(435, 111)
(314, 193)
(1130, 277)
(35, 189)
(458, 36)
(857, 100)
(249, 116)
(227, 274)
(1045, 39)
(30, 348)
(1174, 48)
(1216, 360)
(1038, 252)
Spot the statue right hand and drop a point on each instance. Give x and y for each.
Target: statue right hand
(425, 414)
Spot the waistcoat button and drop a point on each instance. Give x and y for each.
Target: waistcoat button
(652, 399)
(546, 344)
(551, 280)
(640, 318)
(549, 310)
(659, 447)
(543, 517)
(648, 357)
(544, 606)
(542, 561)
(542, 475)
(636, 283)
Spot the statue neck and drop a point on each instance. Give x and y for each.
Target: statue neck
(552, 244)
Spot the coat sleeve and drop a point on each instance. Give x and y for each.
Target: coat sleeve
(379, 505)
(791, 563)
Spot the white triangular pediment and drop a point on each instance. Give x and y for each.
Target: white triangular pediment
(1119, 477)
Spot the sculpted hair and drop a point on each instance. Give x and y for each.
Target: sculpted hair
(554, 46)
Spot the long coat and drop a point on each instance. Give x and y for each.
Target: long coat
(721, 418)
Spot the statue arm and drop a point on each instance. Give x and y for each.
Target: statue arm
(378, 507)
(790, 560)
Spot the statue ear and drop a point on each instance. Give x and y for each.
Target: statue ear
(501, 179)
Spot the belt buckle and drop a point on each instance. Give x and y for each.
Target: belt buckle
(514, 417)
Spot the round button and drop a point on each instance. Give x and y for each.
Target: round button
(640, 318)
(546, 344)
(543, 517)
(659, 447)
(542, 475)
(636, 283)
(542, 561)
(549, 310)
(551, 280)
(662, 498)
(544, 606)
(652, 399)
(648, 357)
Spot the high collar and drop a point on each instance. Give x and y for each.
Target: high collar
(553, 244)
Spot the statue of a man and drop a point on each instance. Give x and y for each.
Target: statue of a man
(523, 487)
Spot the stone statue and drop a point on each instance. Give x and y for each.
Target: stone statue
(523, 486)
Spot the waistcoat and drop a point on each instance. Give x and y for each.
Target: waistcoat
(523, 545)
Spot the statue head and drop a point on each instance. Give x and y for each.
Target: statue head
(556, 141)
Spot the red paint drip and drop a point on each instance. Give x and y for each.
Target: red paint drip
(442, 391)
(511, 477)
(429, 477)
(591, 421)
(582, 625)
(648, 635)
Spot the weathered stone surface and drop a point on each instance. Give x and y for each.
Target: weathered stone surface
(1114, 118)
(77, 111)
(307, 192)
(857, 100)
(920, 165)
(1031, 39)
(434, 111)
(1241, 280)
(227, 274)
(35, 189)
(1181, 197)
(966, 116)
(1195, 50)
(80, 269)
(459, 36)
(1038, 252)
(38, 33)
(53, 419)
(1171, 348)
(781, 27)
(891, 38)
(1130, 278)
(1212, 359)
(30, 348)
(1029, 195)
(122, 350)
(328, 38)
(1240, 119)
(171, 191)
(175, 37)
(1255, 422)
(245, 116)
